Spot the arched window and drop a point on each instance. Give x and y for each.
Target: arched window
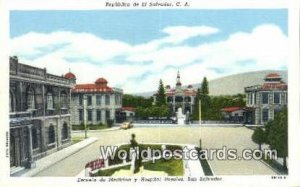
(51, 134)
(30, 99)
(34, 137)
(49, 101)
(65, 131)
(64, 100)
(170, 99)
(178, 99)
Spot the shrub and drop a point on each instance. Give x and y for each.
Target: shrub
(110, 123)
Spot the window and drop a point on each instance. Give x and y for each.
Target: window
(65, 131)
(178, 99)
(98, 99)
(80, 115)
(187, 99)
(276, 98)
(170, 99)
(30, 99)
(51, 134)
(107, 100)
(49, 101)
(98, 115)
(34, 138)
(90, 115)
(265, 97)
(89, 100)
(11, 104)
(265, 115)
(63, 100)
(107, 114)
(80, 99)
(117, 99)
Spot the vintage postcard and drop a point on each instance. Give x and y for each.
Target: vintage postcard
(150, 93)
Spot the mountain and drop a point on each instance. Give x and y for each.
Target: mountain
(233, 84)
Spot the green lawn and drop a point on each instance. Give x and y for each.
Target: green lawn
(172, 167)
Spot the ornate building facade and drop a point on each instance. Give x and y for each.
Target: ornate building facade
(184, 97)
(39, 105)
(263, 101)
(102, 102)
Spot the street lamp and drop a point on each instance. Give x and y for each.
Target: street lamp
(199, 111)
(84, 116)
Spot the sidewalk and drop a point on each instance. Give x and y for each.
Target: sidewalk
(48, 161)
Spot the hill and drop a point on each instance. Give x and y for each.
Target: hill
(233, 84)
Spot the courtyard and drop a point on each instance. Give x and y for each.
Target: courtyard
(212, 137)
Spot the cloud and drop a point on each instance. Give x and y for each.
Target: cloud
(178, 34)
(138, 68)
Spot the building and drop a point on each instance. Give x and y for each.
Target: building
(184, 97)
(39, 113)
(102, 102)
(125, 114)
(233, 114)
(263, 101)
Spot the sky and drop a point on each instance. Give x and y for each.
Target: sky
(133, 49)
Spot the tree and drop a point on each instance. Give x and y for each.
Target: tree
(136, 101)
(195, 115)
(277, 134)
(258, 136)
(161, 96)
(204, 86)
(205, 100)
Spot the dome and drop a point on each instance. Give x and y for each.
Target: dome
(101, 81)
(190, 86)
(70, 75)
(168, 87)
(178, 84)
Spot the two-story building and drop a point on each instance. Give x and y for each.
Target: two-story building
(39, 111)
(180, 97)
(102, 102)
(263, 101)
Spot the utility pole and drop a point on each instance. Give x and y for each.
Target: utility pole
(84, 116)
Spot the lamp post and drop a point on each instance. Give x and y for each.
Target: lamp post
(199, 111)
(84, 116)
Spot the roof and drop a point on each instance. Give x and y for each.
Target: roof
(99, 86)
(274, 86)
(231, 109)
(128, 108)
(273, 75)
(186, 92)
(70, 75)
(91, 88)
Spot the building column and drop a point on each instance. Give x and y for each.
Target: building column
(173, 104)
(103, 117)
(30, 151)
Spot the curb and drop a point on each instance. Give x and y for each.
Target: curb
(270, 167)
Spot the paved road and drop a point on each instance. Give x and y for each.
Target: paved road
(212, 137)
